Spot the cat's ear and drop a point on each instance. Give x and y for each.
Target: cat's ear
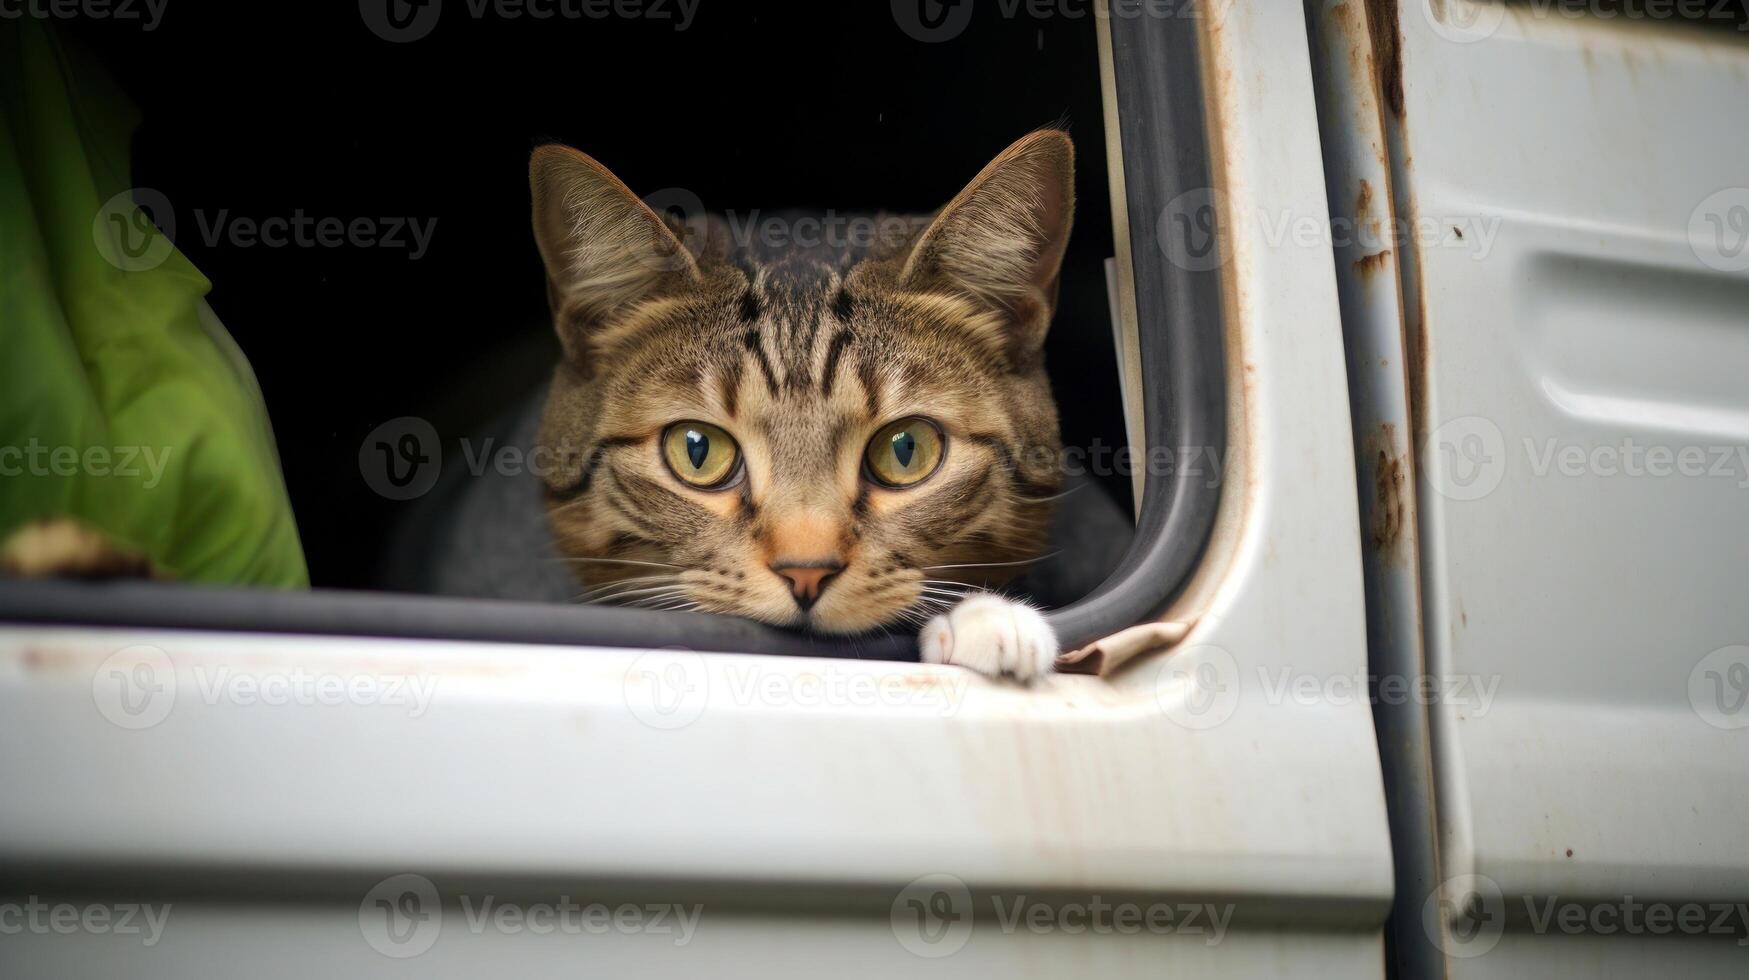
(1002, 239)
(605, 251)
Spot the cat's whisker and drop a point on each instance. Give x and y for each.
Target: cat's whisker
(947, 593)
(611, 589)
(649, 592)
(991, 564)
(950, 584)
(1054, 496)
(657, 600)
(955, 597)
(629, 589)
(623, 561)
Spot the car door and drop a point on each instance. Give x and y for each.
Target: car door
(1553, 337)
(322, 785)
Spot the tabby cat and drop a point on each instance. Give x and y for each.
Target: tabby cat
(842, 437)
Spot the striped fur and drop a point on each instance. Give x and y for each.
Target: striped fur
(802, 354)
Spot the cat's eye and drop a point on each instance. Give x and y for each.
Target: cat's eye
(905, 453)
(701, 455)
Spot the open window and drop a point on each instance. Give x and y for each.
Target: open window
(395, 371)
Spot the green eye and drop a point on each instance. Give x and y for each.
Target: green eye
(905, 453)
(701, 455)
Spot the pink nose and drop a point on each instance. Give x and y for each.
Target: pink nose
(807, 579)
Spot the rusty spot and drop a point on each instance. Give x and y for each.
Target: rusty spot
(1366, 265)
(1363, 200)
(51, 661)
(1389, 485)
(1569, 852)
(1387, 47)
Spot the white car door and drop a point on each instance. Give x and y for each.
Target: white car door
(185, 802)
(1562, 332)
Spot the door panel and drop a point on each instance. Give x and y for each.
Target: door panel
(1579, 359)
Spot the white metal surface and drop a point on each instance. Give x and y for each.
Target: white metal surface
(1597, 308)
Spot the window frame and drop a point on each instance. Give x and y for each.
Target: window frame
(1156, 70)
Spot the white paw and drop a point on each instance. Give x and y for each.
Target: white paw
(992, 635)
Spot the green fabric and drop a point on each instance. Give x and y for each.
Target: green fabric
(123, 402)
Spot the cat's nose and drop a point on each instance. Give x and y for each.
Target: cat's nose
(807, 579)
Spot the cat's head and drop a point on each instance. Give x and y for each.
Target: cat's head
(830, 436)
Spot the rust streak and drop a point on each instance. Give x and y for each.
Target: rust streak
(1390, 484)
(1387, 46)
(1366, 265)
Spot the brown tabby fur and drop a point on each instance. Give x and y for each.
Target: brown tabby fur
(802, 355)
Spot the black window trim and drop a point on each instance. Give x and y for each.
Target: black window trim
(1165, 149)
